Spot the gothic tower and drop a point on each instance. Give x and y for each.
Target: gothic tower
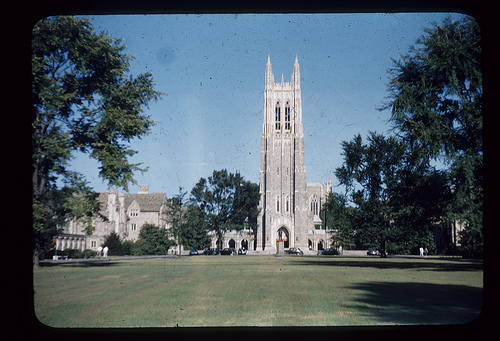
(283, 187)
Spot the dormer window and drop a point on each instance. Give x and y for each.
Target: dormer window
(134, 212)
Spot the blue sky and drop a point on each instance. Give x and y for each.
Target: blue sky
(211, 69)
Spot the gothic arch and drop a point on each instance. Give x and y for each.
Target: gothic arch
(285, 235)
(321, 245)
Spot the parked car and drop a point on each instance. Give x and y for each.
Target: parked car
(226, 251)
(193, 251)
(209, 252)
(242, 251)
(330, 252)
(294, 251)
(372, 252)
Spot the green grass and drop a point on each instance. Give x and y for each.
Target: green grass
(257, 291)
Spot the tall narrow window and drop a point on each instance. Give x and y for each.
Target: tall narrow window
(287, 116)
(277, 116)
(278, 203)
(314, 205)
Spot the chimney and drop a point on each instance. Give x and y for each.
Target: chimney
(142, 189)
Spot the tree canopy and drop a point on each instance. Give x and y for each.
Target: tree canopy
(435, 95)
(227, 201)
(83, 101)
(153, 240)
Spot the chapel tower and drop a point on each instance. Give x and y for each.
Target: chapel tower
(283, 186)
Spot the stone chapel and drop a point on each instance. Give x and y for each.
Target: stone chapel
(289, 206)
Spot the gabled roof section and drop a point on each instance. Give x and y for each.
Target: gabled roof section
(147, 202)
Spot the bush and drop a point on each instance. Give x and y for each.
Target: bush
(72, 253)
(128, 247)
(114, 244)
(153, 240)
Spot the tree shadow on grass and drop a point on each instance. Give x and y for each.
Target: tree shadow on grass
(416, 303)
(388, 263)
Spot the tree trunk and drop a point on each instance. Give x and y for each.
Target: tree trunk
(383, 254)
(36, 250)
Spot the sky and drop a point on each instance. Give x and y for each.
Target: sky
(211, 69)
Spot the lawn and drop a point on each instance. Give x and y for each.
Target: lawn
(258, 291)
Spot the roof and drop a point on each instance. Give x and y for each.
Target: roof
(150, 202)
(147, 202)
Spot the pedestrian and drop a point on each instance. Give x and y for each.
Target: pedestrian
(426, 251)
(105, 250)
(99, 251)
(421, 251)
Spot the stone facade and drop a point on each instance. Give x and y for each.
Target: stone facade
(289, 206)
(126, 214)
(235, 239)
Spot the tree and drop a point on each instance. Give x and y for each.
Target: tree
(83, 101)
(195, 229)
(114, 244)
(175, 216)
(368, 173)
(245, 205)
(153, 240)
(398, 197)
(436, 103)
(187, 223)
(224, 200)
(338, 211)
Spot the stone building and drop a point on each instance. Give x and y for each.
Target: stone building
(289, 206)
(126, 214)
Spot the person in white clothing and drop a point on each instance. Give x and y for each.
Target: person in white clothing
(105, 250)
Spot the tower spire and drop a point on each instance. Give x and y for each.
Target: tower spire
(296, 72)
(269, 73)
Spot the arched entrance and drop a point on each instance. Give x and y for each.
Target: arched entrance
(244, 244)
(283, 232)
(310, 244)
(321, 245)
(232, 243)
